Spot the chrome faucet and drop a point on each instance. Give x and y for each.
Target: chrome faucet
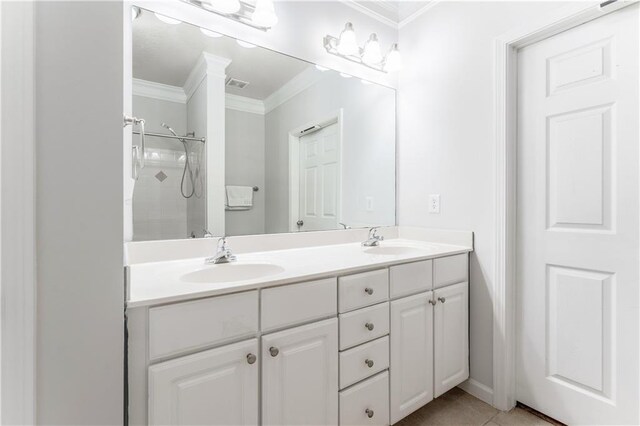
(374, 239)
(223, 255)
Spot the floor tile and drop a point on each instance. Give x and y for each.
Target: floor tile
(519, 417)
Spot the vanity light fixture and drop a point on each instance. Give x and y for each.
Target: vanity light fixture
(168, 20)
(370, 55)
(258, 14)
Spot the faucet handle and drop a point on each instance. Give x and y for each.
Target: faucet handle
(373, 232)
(206, 234)
(222, 243)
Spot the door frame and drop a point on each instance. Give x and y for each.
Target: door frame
(504, 291)
(294, 165)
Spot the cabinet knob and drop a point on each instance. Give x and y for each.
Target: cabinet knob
(369, 326)
(369, 412)
(369, 362)
(442, 299)
(368, 290)
(251, 358)
(433, 302)
(274, 351)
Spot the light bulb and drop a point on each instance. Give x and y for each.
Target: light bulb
(264, 14)
(167, 20)
(347, 44)
(222, 6)
(372, 54)
(135, 12)
(321, 68)
(245, 44)
(210, 33)
(393, 62)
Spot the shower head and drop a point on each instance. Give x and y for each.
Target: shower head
(166, 126)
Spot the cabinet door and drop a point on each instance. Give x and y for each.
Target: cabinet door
(451, 332)
(300, 375)
(411, 354)
(215, 387)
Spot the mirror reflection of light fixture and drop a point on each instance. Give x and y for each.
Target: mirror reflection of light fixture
(370, 55)
(260, 14)
(168, 20)
(245, 44)
(210, 33)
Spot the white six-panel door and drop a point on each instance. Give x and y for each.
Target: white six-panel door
(214, 387)
(319, 179)
(300, 375)
(411, 379)
(577, 223)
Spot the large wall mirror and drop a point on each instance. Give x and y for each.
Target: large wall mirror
(243, 140)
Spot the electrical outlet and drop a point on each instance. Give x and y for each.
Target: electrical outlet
(434, 203)
(369, 204)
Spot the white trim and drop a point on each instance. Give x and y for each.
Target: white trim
(294, 165)
(504, 301)
(477, 389)
(163, 92)
(18, 257)
(244, 104)
(370, 13)
(207, 64)
(418, 13)
(291, 88)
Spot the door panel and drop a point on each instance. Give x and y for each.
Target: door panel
(577, 223)
(300, 375)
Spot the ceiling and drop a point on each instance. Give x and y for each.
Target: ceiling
(166, 54)
(394, 12)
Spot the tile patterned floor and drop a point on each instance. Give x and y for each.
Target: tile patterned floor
(457, 407)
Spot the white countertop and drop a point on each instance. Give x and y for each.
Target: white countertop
(162, 282)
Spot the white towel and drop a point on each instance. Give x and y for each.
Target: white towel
(239, 196)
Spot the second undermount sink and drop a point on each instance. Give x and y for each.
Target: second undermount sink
(231, 272)
(391, 250)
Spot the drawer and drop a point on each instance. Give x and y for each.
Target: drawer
(450, 270)
(191, 325)
(410, 278)
(363, 361)
(368, 288)
(366, 403)
(364, 325)
(297, 303)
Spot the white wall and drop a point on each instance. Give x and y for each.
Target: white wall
(446, 143)
(79, 221)
(244, 165)
(368, 148)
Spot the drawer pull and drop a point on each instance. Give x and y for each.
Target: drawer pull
(251, 358)
(369, 362)
(369, 326)
(433, 302)
(442, 299)
(368, 290)
(369, 412)
(274, 351)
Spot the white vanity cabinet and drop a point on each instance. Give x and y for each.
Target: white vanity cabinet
(300, 375)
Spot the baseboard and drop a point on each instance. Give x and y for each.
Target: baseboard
(477, 389)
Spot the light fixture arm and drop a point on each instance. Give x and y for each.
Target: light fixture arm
(243, 15)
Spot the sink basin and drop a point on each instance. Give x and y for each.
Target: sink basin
(391, 250)
(231, 272)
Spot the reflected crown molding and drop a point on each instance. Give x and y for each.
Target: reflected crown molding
(297, 84)
(164, 92)
(244, 104)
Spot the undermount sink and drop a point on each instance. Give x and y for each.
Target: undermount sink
(391, 250)
(231, 272)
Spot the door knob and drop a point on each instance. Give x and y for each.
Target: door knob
(274, 351)
(300, 222)
(251, 358)
(369, 362)
(442, 299)
(369, 291)
(433, 302)
(369, 412)
(369, 326)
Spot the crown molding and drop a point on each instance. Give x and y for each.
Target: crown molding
(163, 92)
(244, 104)
(207, 64)
(370, 13)
(418, 13)
(291, 88)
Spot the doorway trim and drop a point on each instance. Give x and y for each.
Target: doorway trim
(504, 291)
(294, 165)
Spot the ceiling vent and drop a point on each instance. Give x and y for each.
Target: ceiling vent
(238, 84)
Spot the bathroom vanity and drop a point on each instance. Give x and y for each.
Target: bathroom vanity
(331, 334)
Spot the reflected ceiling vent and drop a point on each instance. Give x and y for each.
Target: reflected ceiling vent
(238, 84)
